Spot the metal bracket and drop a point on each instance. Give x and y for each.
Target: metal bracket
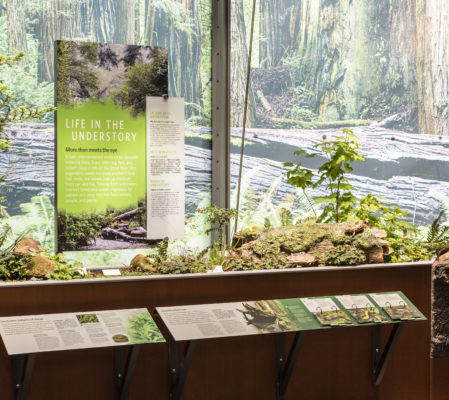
(179, 368)
(22, 369)
(285, 365)
(381, 359)
(124, 370)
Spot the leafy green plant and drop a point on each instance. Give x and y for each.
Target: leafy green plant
(87, 318)
(438, 233)
(162, 250)
(37, 220)
(143, 79)
(75, 79)
(79, 230)
(340, 204)
(9, 112)
(142, 329)
(16, 267)
(220, 218)
(340, 153)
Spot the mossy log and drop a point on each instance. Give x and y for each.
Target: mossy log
(293, 123)
(309, 244)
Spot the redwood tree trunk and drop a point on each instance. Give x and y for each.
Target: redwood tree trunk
(103, 13)
(239, 58)
(16, 26)
(433, 66)
(58, 20)
(278, 29)
(184, 50)
(124, 21)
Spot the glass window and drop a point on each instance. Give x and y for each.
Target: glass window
(321, 66)
(32, 27)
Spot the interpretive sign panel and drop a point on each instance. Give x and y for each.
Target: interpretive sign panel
(83, 330)
(165, 176)
(271, 316)
(101, 142)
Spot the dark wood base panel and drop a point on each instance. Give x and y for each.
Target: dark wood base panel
(333, 364)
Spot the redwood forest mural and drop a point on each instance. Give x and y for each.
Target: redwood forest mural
(380, 68)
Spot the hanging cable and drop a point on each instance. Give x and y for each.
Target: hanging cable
(245, 112)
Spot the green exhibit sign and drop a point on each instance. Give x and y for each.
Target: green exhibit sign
(287, 315)
(101, 159)
(101, 142)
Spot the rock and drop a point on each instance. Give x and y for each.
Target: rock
(25, 246)
(356, 227)
(40, 266)
(375, 255)
(244, 251)
(379, 233)
(303, 259)
(321, 250)
(138, 231)
(387, 250)
(142, 264)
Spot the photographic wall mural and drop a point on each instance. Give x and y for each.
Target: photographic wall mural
(32, 27)
(379, 68)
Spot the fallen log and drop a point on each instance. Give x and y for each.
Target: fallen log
(128, 214)
(114, 234)
(263, 100)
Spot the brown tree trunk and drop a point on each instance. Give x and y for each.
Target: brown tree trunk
(103, 15)
(16, 26)
(124, 21)
(184, 51)
(57, 20)
(278, 30)
(239, 58)
(433, 66)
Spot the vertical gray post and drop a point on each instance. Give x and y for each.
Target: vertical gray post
(221, 106)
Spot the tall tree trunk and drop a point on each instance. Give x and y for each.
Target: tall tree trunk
(239, 59)
(16, 26)
(278, 30)
(124, 22)
(184, 50)
(433, 66)
(57, 19)
(357, 57)
(103, 13)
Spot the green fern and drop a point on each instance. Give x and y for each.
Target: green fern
(438, 233)
(37, 220)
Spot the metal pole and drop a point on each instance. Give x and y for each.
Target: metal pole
(245, 112)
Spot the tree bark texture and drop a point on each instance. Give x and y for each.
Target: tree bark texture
(183, 39)
(16, 26)
(342, 55)
(103, 13)
(433, 66)
(58, 20)
(124, 21)
(239, 58)
(278, 30)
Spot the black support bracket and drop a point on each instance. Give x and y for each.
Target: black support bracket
(22, 370)
(124, 364)
(381, 359)
(179, 367)
(285, 365)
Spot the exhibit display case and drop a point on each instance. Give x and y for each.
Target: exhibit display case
(178, 153)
